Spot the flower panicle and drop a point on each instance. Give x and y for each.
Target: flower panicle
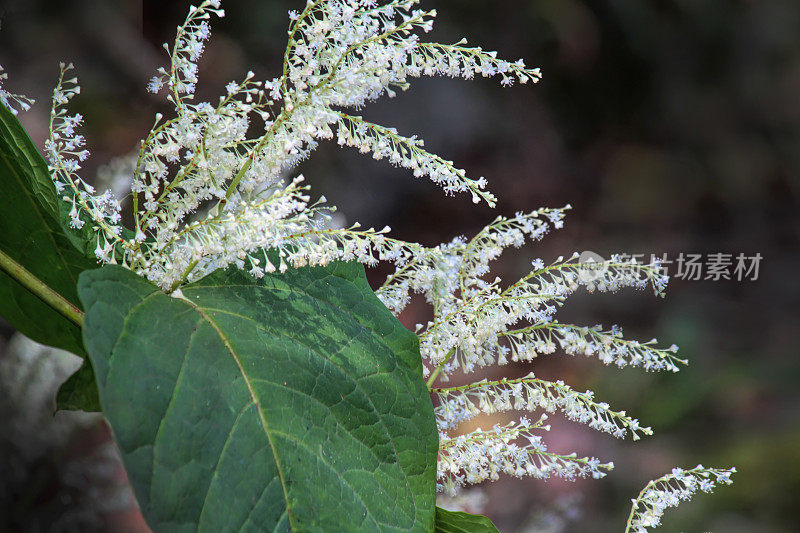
(512, 449)
(458, 266)
(460, 61)
(65, 151)
(608, 275)
(476, 324)
(473, 318)
(190, 38)
(200, 171)
(14, 102)
(529, 393)
(609, 346)
(408, 153)
(284, 220)
(669, 491)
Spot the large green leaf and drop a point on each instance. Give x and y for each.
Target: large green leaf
(458, 522)
(32, 233)
(291, 402)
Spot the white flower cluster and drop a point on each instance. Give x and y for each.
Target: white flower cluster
(480, 455)
(483, 455)
(608, 346)
(205, 195)
(669, 491)
(407, 152)
(10, 100)
(186, 50)
(529, 393)
(474, 325)
(458, 60)
(65, 151)
(472, 317)
(458, 266)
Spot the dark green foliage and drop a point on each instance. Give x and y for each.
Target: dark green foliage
(34, 234)
(456, 522)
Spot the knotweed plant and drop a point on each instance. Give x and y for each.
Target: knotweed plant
(207, 194)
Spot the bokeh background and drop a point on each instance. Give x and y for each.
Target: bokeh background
(670, 126)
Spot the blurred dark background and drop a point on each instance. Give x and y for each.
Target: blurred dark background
(670, 126)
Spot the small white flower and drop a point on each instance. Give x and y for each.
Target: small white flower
(155, 84)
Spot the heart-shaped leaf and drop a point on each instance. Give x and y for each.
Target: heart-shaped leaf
(291, 402)
(32, 234)
(458, 522)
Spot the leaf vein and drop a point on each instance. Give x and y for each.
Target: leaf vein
(255, 399)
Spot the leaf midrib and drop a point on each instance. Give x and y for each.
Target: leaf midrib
(255, 400)
(352, 378)
(322, 356)
(363, 329)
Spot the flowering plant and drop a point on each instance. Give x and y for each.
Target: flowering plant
(251, 376)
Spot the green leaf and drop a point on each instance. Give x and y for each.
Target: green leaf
(79, 392)
(32, 233)
(291, 402)
(457, 522)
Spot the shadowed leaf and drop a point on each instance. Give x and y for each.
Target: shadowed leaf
(32, 233)
(457, 522)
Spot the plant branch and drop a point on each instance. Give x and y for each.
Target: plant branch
(439, 367)
(41, 289)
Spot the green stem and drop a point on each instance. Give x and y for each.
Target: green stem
(439, 367)
(180, 281)
(41, 289)
(636, 505)
(481, 384)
